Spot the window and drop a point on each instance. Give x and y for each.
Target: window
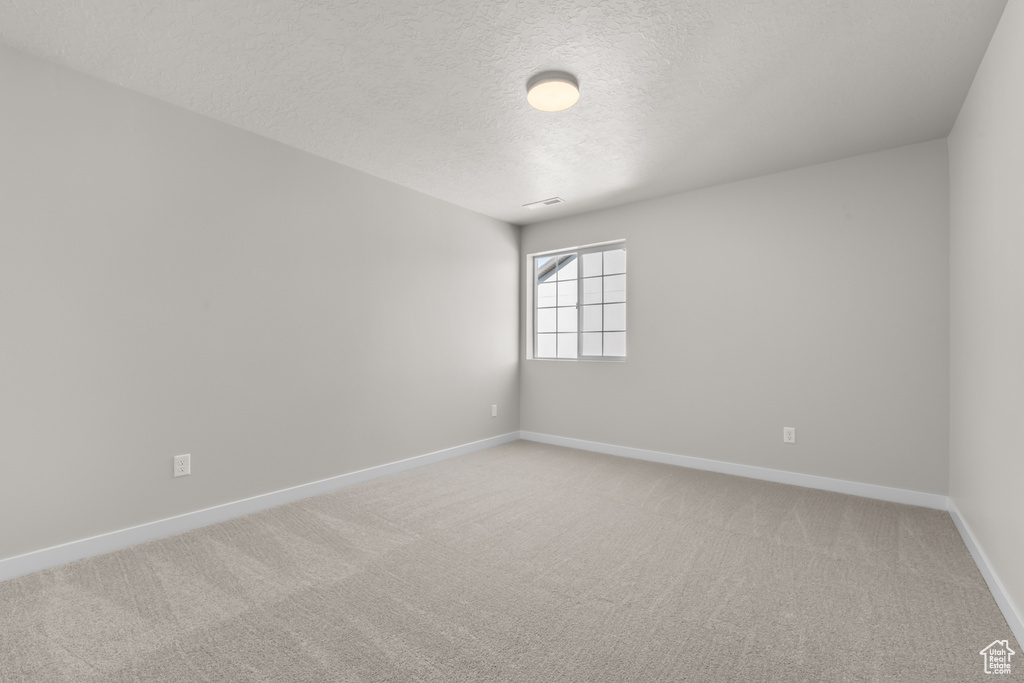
(580, 304)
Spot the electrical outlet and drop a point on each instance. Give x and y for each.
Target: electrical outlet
(494, 411)
(789, 435)
(182, 465)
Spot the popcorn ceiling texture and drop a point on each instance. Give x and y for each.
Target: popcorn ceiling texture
(430, 94)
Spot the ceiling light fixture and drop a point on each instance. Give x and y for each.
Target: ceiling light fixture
(552, 91)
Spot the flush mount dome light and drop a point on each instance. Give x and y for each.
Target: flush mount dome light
(552, 91)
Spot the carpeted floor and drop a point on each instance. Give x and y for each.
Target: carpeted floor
(528, 563)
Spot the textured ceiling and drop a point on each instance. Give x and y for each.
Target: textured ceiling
(430, 94)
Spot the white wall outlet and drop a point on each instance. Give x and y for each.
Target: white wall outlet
(494, 411)
(182, 465)
(789, 435)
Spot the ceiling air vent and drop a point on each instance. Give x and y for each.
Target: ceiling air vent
(545, 202)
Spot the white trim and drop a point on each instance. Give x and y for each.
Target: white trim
(854, 488)
(1013, 616)
(115, 540)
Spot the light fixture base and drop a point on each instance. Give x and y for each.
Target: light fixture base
(552, 91)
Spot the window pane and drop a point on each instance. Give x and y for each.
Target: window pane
(567, 293)
(546, 320)
(615, 288)
(591, 344)
(580, 307)
(569, 269)
(615, 343)
(592, 318)
(545, 346)
(614, 261)
(567, 345)
(567, 319)
(546, 294)
(614, 317)
(545, 269)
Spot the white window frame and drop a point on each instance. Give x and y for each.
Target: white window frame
(532, 300)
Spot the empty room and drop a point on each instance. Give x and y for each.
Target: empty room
(519, 341)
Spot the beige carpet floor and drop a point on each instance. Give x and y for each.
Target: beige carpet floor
(528, 563)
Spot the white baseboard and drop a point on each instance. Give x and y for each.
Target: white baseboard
(893, 495)
(1013, 616)
(115, 540)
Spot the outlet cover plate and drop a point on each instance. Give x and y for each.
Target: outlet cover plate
(182, 465)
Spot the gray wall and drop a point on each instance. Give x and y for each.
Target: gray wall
(169, 284)
(815, 299)
(986, 170)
